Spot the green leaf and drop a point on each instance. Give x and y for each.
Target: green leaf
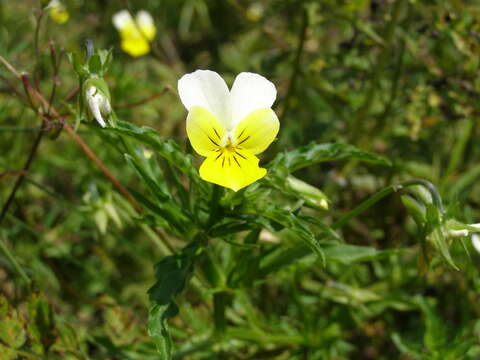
(172, 274)
(167, 149)
(288, 220)
(280, 257)
(164, 218)
(313, 153)
(164, 205)
(348, 254)
(247, 265)
(436, 235)
(77, 64)
(12, 331)
(297, 189)
(409, 349)
(159, 190)
(436, 333)
(41, 327)
(416, 210)
(95, 64)
(158, 328)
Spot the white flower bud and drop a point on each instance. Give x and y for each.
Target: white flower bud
(476, 242)
(98, 103)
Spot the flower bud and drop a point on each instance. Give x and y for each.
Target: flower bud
(476, 242)
(97, 98)
(456, 229)
(312, 196)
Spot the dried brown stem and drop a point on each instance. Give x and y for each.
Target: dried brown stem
(102, 167)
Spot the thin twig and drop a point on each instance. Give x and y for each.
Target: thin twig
(12, 172)
(38, 25)
(12, 88)
(56, 61)
(25, 170)
(9, 67)
(144, 101)
(72, 94)
(296, 63)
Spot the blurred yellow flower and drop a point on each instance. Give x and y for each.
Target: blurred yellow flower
(58, 12)
(136, 33)
(229, 127)
(255, 12)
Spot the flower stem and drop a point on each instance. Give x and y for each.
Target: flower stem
(437, 201)
(217, 192)
(220, 303)
(296, 64)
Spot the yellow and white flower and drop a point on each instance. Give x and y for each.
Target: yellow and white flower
(136, 33)
(229, 127)
(58, 12)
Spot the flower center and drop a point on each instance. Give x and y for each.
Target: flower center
(228, 142)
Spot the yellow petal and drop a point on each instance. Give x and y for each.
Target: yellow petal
(135, 46)
(59, 14)
(232, 169)
(257, 130)
(148, 31)
(204, 130)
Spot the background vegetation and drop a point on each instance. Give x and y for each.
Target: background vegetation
(395, 78)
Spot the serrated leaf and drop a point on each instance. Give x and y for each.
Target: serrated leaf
(158, 328)
(172, 274)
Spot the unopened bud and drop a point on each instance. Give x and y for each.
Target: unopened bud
(312, 196)
(98, 100)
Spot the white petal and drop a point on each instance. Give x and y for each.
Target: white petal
(144, 19)
(250, 92)
(476, 242)
(122, 19)
(207, 89)
(457, 233)
(54, 4)
(95, 102)
(476, 226)
(146, 24)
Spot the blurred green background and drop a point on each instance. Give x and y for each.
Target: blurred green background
(395, 77)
